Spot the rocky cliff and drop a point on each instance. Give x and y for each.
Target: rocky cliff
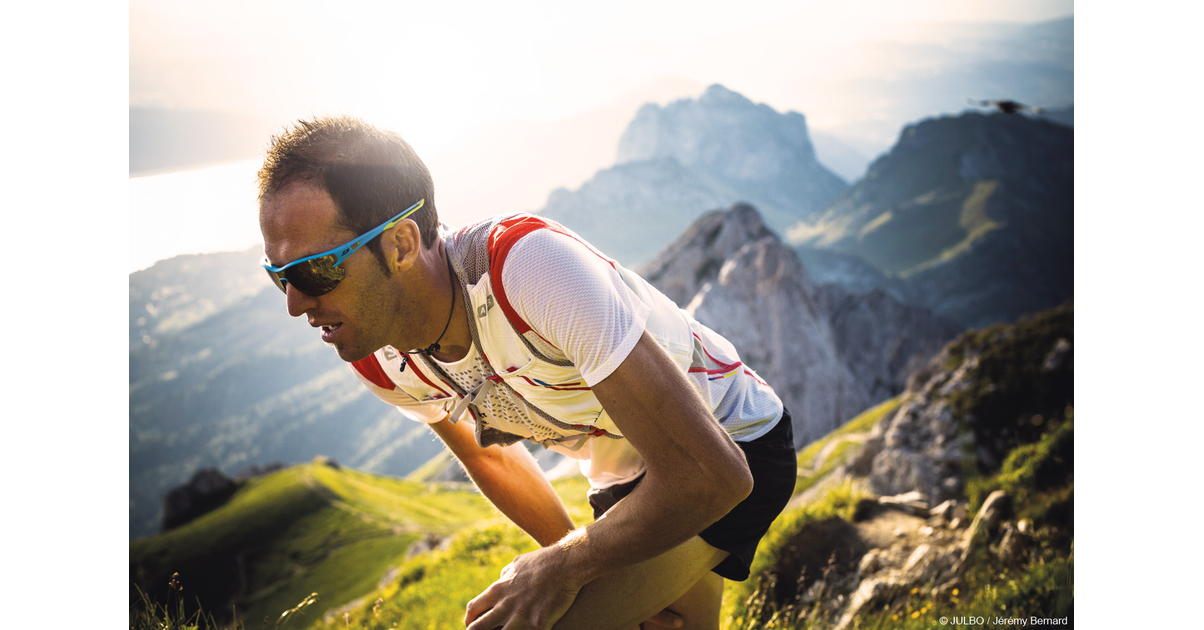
(827, 352)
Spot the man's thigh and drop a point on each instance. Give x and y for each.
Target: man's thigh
(699, 607)
(624, 598)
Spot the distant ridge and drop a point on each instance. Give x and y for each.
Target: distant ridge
(975, 212)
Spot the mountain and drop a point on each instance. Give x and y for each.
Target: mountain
(220, 376)
(510, 166)
(675, 162)
(828, 353)
(975, 212)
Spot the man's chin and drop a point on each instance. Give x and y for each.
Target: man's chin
(348, 354)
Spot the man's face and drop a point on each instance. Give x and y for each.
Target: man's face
(361, 314)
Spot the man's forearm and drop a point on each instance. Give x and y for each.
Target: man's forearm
(513, 483)
(511, 480)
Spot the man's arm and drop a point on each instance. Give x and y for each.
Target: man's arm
(511, 480)
(696, 474)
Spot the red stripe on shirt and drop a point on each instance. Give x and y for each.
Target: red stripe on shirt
(721, 364)
(748, 372)
(501, 240)
(722, 370)
(371, 369)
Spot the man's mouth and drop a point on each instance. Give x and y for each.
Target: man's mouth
(329, 331)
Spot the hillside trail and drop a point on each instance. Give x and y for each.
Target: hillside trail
(333, 499)
(893, 530)
(838, 475)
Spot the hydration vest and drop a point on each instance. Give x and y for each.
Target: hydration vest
(532, 390)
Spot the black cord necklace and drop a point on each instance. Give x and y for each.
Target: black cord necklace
(434, 347)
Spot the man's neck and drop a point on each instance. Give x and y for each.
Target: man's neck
(457, 341)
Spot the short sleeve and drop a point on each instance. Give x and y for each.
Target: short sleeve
(576, 299)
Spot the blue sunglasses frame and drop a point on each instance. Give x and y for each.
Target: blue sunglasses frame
(319, 270)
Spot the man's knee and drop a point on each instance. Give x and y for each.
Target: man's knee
(630, 596)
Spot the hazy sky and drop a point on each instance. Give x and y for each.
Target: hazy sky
(467, 83)
(436, 71)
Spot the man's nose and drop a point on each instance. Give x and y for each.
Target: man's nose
(297, 301)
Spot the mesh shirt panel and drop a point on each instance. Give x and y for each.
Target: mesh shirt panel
(575, 299)
(501, 409)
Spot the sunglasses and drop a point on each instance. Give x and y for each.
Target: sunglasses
(319, 274)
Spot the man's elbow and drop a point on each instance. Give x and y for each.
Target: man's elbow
(741, 481)
(728, 484)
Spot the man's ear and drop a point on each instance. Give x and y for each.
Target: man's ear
(401, 245)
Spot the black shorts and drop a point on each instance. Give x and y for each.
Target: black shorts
(773, 464)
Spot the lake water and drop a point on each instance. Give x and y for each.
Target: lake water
(204, 210)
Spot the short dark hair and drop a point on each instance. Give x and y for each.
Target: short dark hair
(371, 174)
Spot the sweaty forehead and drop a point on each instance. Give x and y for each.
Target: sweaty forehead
(299, 220)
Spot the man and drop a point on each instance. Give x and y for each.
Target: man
(513, 328)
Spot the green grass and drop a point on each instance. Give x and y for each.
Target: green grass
(808, 475)
(745, 602)
(432, 467)
(433, 589)
(1033, 473)
(301, 530)
(973, 220)
(1039, 589)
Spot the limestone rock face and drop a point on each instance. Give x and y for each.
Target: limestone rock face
(828, 353)
(727, 135)
(880, 337)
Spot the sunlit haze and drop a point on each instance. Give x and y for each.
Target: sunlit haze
(446, 75)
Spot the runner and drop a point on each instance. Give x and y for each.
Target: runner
(511, 329)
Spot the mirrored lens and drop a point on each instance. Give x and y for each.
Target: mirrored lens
(315, 277)
(275, 279)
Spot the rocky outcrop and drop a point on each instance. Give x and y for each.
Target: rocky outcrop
(829, 354)
(998, 402)
(956, 413)
(880, 338)
(206, 491)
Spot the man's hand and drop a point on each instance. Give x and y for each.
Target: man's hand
(663, 619)
(520, 599)
(531, 594)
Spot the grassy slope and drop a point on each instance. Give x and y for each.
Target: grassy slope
(811, 470)
(304, 529)
(434, 588)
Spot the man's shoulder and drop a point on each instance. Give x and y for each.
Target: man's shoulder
(494, 238)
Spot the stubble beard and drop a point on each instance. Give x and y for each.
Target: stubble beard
(375, 311)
